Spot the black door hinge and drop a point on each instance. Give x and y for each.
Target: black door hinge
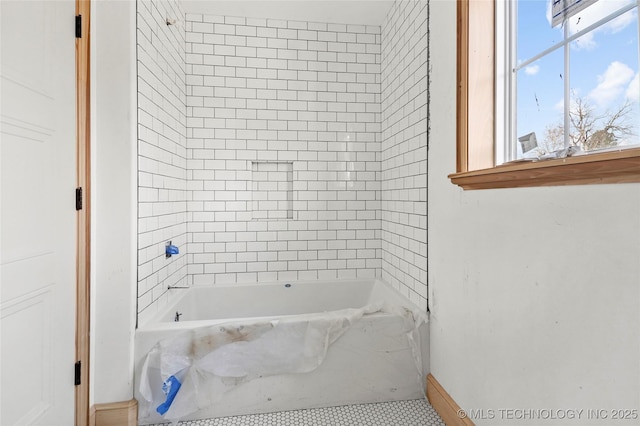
(78, 373)
(78, 198)
(78, 26)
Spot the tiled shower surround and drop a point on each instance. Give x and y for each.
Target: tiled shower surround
(304, 153)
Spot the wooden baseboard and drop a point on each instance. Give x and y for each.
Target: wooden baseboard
(446, 407)
(92, 415)
(123, 413)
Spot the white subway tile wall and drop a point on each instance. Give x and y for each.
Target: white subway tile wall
(302, 97)
(404, 78)
(281, 150)
(162, 146)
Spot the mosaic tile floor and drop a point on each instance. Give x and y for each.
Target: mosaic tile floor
(416, 412)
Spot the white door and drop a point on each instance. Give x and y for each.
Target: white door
(37, 212)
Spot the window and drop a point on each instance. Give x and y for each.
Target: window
(578, 73)
(513, 120)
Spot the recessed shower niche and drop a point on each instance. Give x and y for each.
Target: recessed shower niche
(272, 190)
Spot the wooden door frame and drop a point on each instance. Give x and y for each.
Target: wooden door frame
(83, 180)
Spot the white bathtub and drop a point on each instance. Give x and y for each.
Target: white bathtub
(374, 360)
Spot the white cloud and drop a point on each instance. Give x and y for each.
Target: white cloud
(586, 42)
(532, 69)
(633, 90)
(621, 22)
(591, 15)
(611, 84)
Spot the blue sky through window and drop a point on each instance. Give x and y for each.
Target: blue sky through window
(604, 65)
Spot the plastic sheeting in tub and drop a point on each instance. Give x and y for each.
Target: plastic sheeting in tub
(186, 373)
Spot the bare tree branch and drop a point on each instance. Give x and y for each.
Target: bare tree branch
(588, 130)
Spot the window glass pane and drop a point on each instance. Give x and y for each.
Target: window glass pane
(604, 84)
(534, 28)
(540, 104)
(595, 13)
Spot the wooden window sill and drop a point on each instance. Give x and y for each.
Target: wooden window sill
(609, 167)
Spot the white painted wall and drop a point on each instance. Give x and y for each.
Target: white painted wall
(113, 263)
(534, 293)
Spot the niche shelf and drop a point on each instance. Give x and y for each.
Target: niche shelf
(272, 190)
